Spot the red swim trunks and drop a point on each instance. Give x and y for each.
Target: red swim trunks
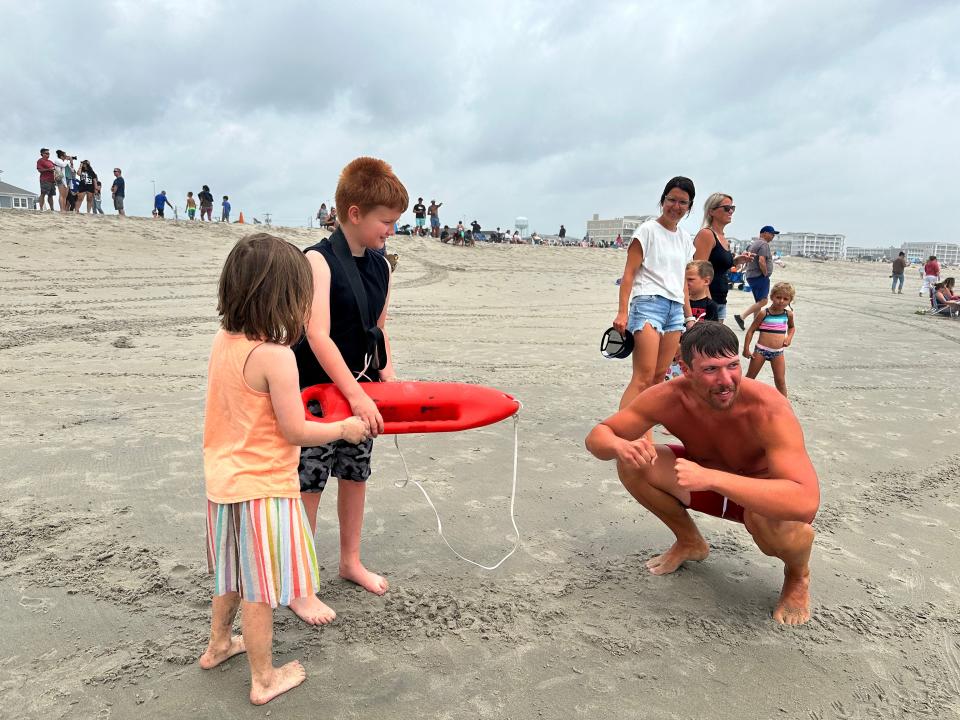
(708, 501)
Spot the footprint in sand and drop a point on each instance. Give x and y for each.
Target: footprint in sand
(36, 605)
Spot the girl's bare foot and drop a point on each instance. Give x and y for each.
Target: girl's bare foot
(281, 679)
(312, 611)
(678, 554)
(369, 581)
(217, 654)
(794, 605)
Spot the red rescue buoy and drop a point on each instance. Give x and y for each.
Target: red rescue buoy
(417, 407)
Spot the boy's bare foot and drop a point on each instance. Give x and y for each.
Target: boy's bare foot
(216, 655)
(794, 605)
(677, 555)
(282, 679)
(369, 581)
(312, 611)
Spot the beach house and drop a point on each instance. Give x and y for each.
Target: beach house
(17, 198)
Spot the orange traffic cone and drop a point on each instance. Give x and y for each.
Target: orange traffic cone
(241, 218)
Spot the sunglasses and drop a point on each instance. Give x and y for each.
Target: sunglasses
(726, 208)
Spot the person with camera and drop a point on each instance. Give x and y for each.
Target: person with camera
(62, 174)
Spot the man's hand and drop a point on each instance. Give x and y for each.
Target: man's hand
(636, 453)
(691, 476)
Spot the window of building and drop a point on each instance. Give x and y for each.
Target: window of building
(21, 202)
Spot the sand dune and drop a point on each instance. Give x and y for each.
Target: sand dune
(103, 596)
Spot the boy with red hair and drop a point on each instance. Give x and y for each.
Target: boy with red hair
(346, 343)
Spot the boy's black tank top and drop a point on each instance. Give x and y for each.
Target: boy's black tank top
(347, 330)
(722, 260)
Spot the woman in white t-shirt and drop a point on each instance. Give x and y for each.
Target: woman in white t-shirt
(654, 304)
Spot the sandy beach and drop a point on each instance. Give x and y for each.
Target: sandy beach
(104, 597)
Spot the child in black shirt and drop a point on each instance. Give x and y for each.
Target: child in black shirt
(698, 277)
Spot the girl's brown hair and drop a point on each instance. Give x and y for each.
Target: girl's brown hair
(266, 289)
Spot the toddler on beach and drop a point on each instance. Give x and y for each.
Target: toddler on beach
(699, 274)
(776, 327)
(260, 548)
(225, 215)
(191, 206)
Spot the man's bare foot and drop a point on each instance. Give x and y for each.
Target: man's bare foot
(312, 611)
(216, 655)
(678, 554)
(282, 679)
(794, 605)
(369, 581)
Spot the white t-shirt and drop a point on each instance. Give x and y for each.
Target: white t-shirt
(665, 258)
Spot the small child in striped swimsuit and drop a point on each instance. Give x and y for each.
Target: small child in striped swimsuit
(776, 327)
(260, 547)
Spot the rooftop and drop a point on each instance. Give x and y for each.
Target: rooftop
(8, 189)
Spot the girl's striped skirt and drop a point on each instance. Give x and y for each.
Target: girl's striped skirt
(262, 549)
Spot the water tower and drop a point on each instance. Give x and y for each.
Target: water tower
(521, 224)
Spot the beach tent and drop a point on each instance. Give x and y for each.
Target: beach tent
(14, 197)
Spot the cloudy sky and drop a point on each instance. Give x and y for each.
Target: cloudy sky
(836, 116)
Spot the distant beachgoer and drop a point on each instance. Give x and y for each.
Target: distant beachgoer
(948, 287)
(563, 233)
(711, 244)
(206, 203)
(331, 222)
(191, 205)
(87, 182)
(225, 205)
(420, 217)
(517, 240)
(741, 458)
(653, 302)
(118, 189)
(48, 183)
(944, 298)
(97, 198)
(323, 214)
(897, 272)
(160, 202)
(776, 328)
(619, 241)
(931, 274)
(461, 232)
(63, 164)
(758, 272)
(260, 548)
(434, 212)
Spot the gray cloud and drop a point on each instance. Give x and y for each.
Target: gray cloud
(835, 117)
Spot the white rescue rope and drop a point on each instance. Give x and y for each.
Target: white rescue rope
(513, 497)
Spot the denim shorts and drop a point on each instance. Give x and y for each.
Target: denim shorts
(663, 315)
(722, 312)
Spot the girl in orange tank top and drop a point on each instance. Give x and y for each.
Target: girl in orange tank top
(259, 543)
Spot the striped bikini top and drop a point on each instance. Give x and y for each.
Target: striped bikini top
(774, 323)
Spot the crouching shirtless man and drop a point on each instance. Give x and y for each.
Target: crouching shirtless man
(742, 458)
